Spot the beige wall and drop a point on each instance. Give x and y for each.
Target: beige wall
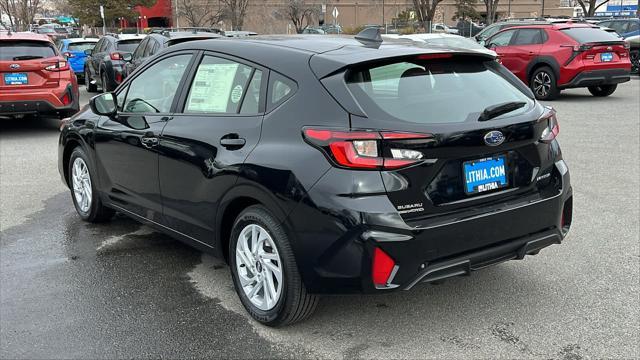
(262, 15)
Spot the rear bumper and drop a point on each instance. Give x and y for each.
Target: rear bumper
(337, 257)
(598, 77)
(41, 101)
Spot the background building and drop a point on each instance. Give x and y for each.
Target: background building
(264, 16)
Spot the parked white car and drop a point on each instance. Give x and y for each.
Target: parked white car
(442, 28)
(441, 39)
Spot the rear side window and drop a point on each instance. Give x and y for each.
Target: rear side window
(218, 86)
(81, 46)
(451, 91)
(26, 50)
(587, 35)
(128, 45)
(280, 89)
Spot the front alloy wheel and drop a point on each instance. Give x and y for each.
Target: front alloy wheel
(81, 184)
(85, 198)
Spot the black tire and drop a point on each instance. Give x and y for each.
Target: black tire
(87, 82)
(294, 304)
(105, 82)
(634, 56)
(97, 212)
(543, 83)
(602, 90)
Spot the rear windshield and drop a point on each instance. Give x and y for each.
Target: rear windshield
(25, 50)
(81, 46)
(128, 45)
(587, 35)
(430, 92)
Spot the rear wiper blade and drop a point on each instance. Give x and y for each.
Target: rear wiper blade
(500, 109)
(27, 57)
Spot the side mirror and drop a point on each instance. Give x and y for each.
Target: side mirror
(104, 104)
(88, 52)
(127, 57)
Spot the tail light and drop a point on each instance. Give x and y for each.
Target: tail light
(118, 77)
(68, 55)
(382, 267)
(363, 149)
(60, 65)
(115, 56)
(66, 98)
(552, 129)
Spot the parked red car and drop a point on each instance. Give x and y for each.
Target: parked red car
(35, 78)
(552, 57)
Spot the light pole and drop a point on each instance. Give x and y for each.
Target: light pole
(177, 24)
(509, 10)
(383, 24)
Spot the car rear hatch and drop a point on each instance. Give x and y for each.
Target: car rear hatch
(24, 63)
(597, 47)
(458, 137)
(75, 53)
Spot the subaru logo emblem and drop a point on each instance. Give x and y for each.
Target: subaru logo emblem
(14, 66)
(494, 138)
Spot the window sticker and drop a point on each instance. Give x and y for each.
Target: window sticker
(236, 94)
(211, 88)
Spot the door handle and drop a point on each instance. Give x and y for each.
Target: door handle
(232, 141)
(149, 140)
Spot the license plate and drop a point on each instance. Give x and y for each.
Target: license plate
(485, 174)
(15, 79)
(606, 57)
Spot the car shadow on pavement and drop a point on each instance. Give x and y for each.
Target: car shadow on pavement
(29, 124)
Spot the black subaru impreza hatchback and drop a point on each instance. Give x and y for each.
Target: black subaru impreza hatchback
(319, 165)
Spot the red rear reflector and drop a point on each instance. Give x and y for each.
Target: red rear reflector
(66, 98)
(433, 56)
(382, 267)
(118, 77)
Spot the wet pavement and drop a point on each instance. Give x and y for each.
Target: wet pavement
(69, 289)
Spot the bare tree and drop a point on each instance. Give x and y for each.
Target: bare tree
(492, 7)
(299, 13)
(20, 12)
(426, 11)
(589, 7)
(235, 11)
(200, 13)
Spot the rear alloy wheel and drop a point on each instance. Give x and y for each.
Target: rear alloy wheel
(602, 90)
(543, 84)
(264, 271)
(91, 87)
(85, 199)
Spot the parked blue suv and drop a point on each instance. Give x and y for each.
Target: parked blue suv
(73, 51)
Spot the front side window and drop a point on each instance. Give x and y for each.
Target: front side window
(502, 39)
(218, 86)
(154, 89)
(433, 91)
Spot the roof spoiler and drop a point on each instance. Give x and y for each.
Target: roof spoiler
(370, 37)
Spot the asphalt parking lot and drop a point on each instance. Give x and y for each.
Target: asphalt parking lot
(69, 289)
